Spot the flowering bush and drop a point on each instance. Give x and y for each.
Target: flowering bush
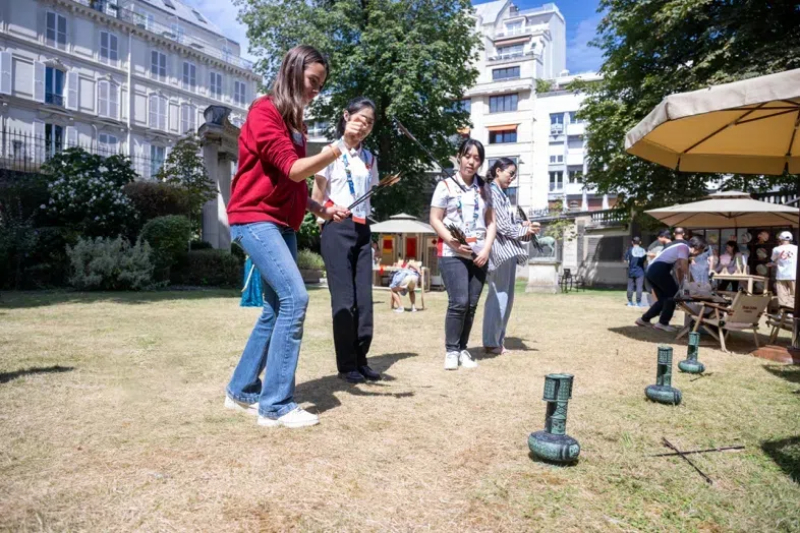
(86, 192)
(110, 264)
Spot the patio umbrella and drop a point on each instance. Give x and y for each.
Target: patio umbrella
(730, 209)
(745, 127)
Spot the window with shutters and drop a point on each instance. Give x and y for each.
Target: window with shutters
(239, 94)
(215, 85)
(188, 118)
(189, 80)
(109, 52)
(56, 32)
(158, 65)
(157, 156)
(158, 112)
(53, 139)
(107, 144)
(54, 86)
(108, 99)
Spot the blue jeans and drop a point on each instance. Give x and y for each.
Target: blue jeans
(464, 281)
(639, 283)
(274, 343)
(499, 302)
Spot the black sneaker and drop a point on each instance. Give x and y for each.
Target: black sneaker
(368, 373)
(354, 376)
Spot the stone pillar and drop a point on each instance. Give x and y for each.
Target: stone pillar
(220, 151)
(605, 201)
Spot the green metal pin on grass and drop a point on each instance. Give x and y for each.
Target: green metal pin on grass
(691, 365)
(553, 444)
(663, 391)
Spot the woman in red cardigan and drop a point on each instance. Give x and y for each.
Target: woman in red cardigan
(269, 198)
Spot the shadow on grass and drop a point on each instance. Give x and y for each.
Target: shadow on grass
(790, 373)
(786, 454)
(31, 299)
(536, 459)
(5, 377)
(518, 344)
(738, 342)
(321, 392)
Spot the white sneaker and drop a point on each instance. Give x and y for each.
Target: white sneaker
(413, 309)
(466, 360)
(399, 310)
(235, 405)
(296, 418)
(451, 361)
(667, 328)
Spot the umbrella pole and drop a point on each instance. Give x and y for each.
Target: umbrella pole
(795, 347)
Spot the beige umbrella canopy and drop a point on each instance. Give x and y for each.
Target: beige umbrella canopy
(745, 127)
(730, 209)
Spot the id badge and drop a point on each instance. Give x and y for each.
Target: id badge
(360, 213)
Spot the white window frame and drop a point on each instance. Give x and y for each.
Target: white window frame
(157, 112)
(188, 119)
(212, 78)
(54, 37)
(240, 99)
(109, 106)
(154, 149)
(158, 65)
(109, 54)
(104, 140)
(189, 76)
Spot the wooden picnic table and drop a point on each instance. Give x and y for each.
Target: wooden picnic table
(749, 278)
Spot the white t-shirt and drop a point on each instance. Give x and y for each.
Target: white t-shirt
(672, 254)
(785, 257)
(447, 196)
(364, 174)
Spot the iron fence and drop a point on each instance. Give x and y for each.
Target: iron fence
(24, 152)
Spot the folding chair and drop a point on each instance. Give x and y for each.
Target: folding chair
(782, 320)
(743, 314)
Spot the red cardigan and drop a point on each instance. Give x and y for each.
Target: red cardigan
(261, 190)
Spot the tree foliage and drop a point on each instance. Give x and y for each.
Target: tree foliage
(411, 57)
(184, 168)
(655, 48)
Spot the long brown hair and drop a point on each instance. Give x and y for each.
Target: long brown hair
(287, 93)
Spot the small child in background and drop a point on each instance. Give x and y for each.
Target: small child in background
(405, 281)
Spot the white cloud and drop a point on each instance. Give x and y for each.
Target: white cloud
(580, 56)
(223, 13)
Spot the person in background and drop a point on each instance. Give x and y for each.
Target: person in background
(759, 258)
(269, 198)
(635, 257)
(730, 260)
(405, 281)
(347, 247)
(784, 258)
(509, 250)
(675, 257)
(663, 238)
(700, 267)
(679, 234)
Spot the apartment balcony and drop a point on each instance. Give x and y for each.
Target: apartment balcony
(519, 32)
(556, 130)
(110, 8)
(502, 58)
(575, 157)
(54, 99)
(509, 85)
(576, 128)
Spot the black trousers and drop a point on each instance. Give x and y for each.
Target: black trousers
(660, 277)
(347, 251)
(464, 282)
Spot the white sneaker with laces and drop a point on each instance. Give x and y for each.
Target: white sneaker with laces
(466, 360)
(296, 418)
(667, 328)
(413, 309)
(235, 405)
(451, 361)
(399, 310)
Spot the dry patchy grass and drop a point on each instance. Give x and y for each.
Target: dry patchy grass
(112, 420)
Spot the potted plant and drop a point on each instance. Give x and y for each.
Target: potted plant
(311, 266)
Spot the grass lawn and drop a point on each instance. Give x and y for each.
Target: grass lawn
(111, 419)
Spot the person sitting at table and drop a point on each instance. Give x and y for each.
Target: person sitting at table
(730, 262)
(675, 257)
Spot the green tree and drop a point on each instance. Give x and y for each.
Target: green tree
(412, 57)
(655, 48)
(185, 169)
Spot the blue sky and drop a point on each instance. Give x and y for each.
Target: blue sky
(581, 17)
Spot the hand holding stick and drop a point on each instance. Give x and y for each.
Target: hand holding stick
(459, 236)
(388, 181)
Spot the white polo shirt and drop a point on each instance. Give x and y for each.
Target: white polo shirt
(447, 196)
(364, 174)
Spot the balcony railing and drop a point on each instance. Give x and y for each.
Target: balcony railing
(516, 55)
(54, 99)
(110, 8)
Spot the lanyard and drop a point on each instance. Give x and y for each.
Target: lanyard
(349, 175)
(475, 210)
